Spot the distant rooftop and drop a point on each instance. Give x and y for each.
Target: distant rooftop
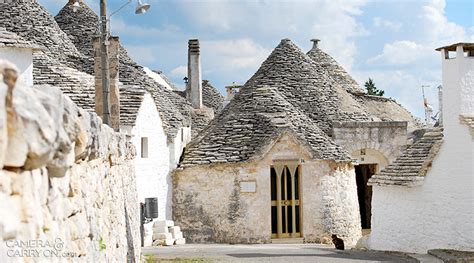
(466, 47)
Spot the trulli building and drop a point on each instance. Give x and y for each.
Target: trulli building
(274, 164)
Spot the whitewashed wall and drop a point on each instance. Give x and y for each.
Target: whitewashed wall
(152, 172)
(23, 59)
(439, 213)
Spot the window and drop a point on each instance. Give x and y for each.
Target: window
(144, 147)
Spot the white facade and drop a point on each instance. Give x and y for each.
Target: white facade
(23, 59)
(153, 168)
(440, 212)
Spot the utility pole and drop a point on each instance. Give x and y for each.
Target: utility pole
(104, 62)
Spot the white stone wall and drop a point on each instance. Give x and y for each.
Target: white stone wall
(182, 138)
(440, 212)
(23, 59)
(152, 172)
(209, 206)
(67, 179)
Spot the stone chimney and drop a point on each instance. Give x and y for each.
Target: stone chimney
(194, 88)
(458, 86)
(315, 42)
(114, 95)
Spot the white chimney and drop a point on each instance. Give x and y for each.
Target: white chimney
(440, 105)
(194, 93)
(458, 85)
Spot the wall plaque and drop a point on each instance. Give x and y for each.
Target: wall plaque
(248, 186)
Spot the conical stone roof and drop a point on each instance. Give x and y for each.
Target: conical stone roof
(58, 63)
(378, 108)
(334, 69)
(82, 26)
(306, 86)
(286, 95)
(211, 97)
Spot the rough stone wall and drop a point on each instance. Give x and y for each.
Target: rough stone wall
(387, 138)
(209, 206)
(67, 179)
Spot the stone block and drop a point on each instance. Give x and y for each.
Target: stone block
(157, 236)
(167, 223)
(175, 230)
(177, 235)
(160, 229)
(180, 241)
(163, 242)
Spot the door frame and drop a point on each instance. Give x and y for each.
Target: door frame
(292, 166)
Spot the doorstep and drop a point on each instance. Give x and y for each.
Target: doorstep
(298, 240)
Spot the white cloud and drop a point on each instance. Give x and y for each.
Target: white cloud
(143, 54)
(402, 53)
(270, 21)
(122, 28)
(437, 28)
(234, 54)
(380, 22)
(180, 71)
(406, 64)
(433, 30)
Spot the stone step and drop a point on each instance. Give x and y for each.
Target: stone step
(178, 235)
(180, 241)
(157, 236)
(174, 230)
(164, 242)
(298, 240)
(167, 223)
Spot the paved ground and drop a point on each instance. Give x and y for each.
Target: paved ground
(292, 253)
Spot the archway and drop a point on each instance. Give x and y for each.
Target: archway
(369, 162)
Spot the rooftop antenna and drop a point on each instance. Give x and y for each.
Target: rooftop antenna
(427, 106)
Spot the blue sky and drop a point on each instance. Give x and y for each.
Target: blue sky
(390, 41)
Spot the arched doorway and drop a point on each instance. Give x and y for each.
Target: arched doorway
(369, 162)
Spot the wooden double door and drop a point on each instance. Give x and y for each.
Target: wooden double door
(285, 180)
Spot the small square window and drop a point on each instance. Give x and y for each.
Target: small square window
(144, 147)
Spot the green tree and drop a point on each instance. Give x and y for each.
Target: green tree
(371, 89)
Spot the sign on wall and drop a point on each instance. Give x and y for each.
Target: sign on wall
(248, 186)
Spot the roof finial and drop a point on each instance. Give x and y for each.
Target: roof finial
(315, 42)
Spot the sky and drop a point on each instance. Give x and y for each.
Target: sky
(390, 41)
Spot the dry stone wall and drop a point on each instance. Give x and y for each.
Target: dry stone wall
(67, 187)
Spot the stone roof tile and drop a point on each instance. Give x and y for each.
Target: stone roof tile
(410, 168)
(254, 119)
(10, 39)
(386, 109)
(287, 94)
(468, 119)
(211, 97)
(59, 63)
(175, 111)
(334, 69)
